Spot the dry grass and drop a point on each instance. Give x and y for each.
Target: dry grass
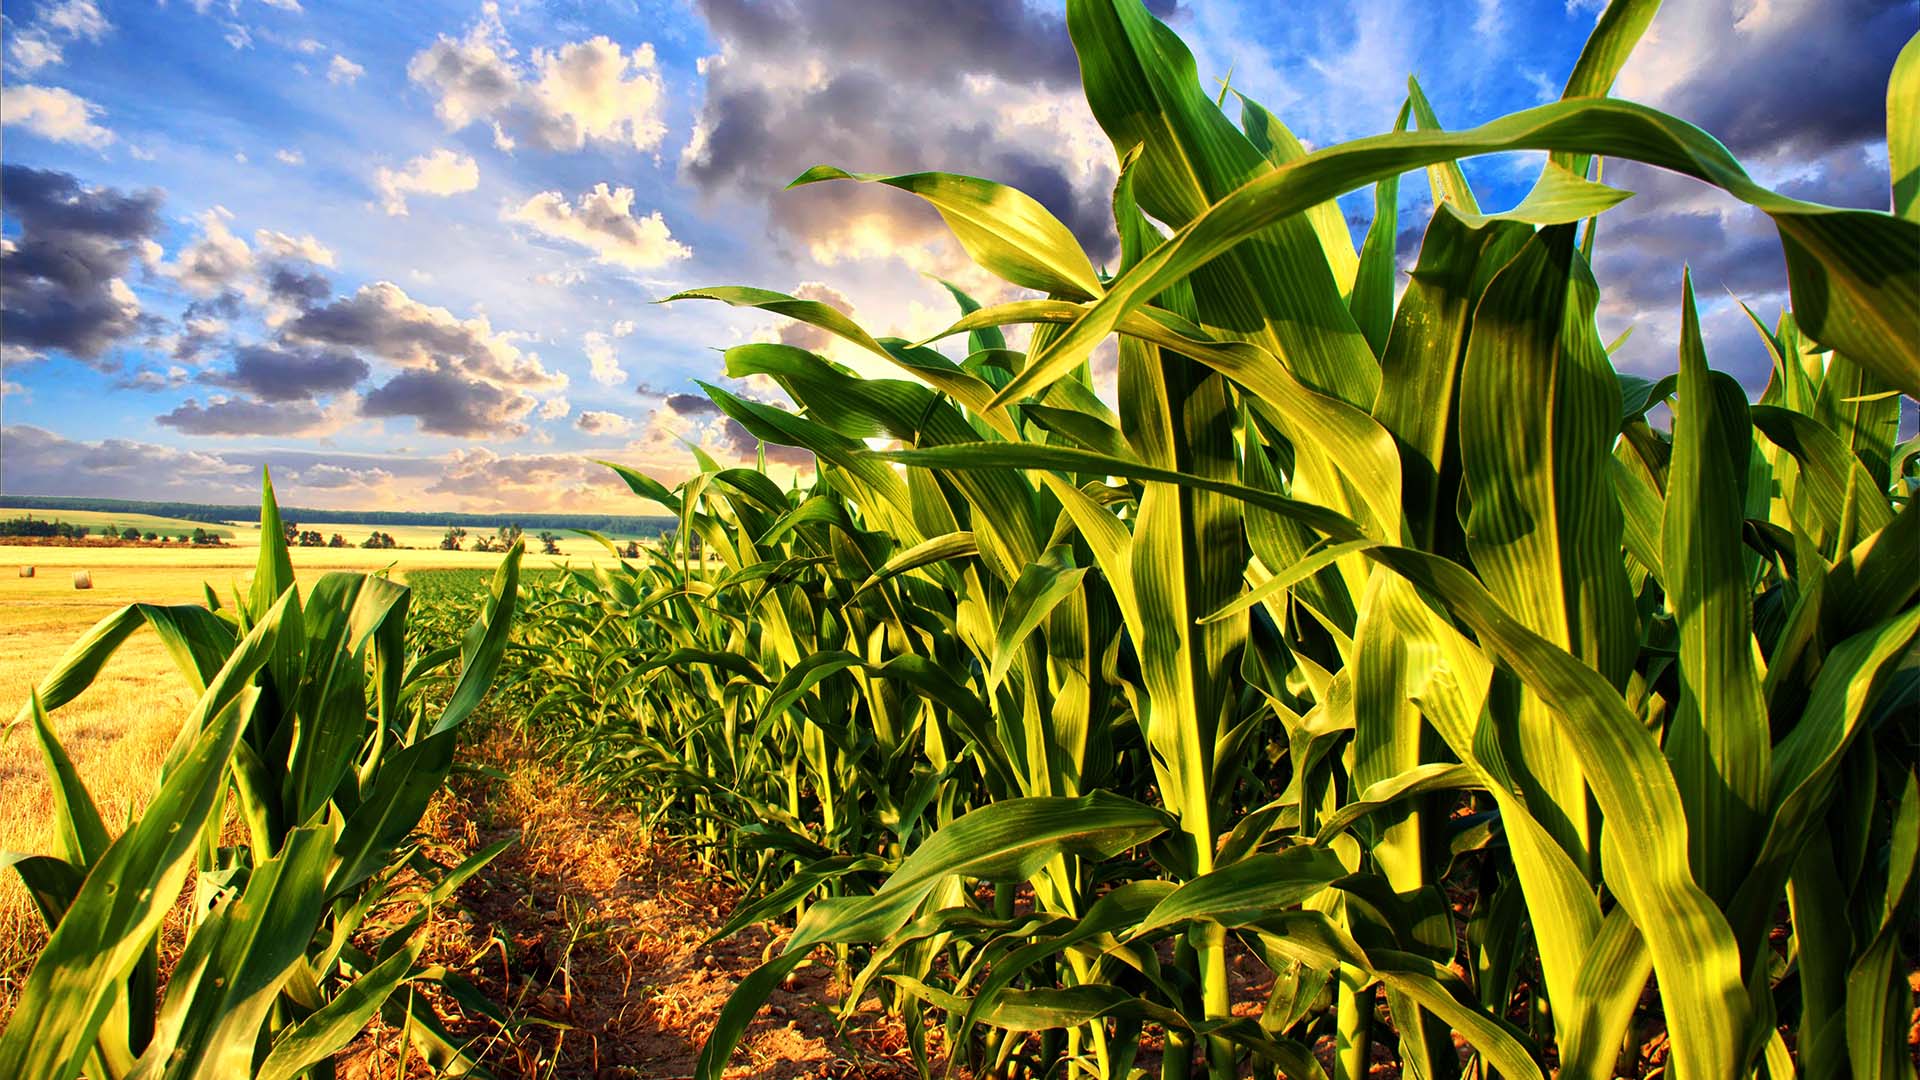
(117, 732)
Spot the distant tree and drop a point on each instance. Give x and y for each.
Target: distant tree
(379, 540)
(451, 541)
(291, 529)
(549, 544)
(510, 535)
(130, 534)
(337, 541)
(312, 538)
(183, 538)
(632, 550)
(151, 536)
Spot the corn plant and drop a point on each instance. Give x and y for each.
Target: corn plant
(314, 715)
(1345, 606)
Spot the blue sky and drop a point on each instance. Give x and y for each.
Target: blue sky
(406, 253)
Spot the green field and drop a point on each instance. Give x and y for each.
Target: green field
(97, 521)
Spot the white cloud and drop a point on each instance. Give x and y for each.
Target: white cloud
(53, 113)
(603, 220)
(279, 245)
(594, 422)
(342, 70)
(383, 319)
(213, 261)
(623, 328)
(555, 408)
(561, 279)
(440, 173)
(560, 99)
(41, 44)
(289, 157)
(605, 364)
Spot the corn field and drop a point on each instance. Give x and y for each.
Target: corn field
(1516, 715)
(330, 733)
(1396, 645)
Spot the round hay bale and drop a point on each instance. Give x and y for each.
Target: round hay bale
(83, 579)
(26, 571)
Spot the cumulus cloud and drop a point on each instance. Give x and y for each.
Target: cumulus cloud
(556, 99)
(595, 422)
(603, 361)
(989, 89)
(205, 322)
(61, 277)
(555, 408)
(214, 260)
(1786, 77)
(461, 377)
(41, 43)
(342, 70)
(297, 288)
(53, 113)
(603, 221)
(473, 479)
(441, 173)
(282, 373)
(332, 477)
(483, 479)
(382, 319)
(287, 156)
(240, 416)
(41, 461)
(805, 335)
(1765, 80)
(691, 405)
(446, 402)
(279, 245)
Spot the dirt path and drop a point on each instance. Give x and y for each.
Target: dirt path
(589, 931)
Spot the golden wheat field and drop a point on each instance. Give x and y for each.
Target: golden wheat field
(119, 730)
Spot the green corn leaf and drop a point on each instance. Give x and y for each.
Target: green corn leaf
(1006, 231)
(1246, 891)
(317, 1037)
(1903, 130)
(1003, 841)
(1618, 30)
(80, 834)
(484, 645)
(131, 887)
(1279, 290)
(274, 574)
(1372, 299)
(1272, 138)
(210, 1023)
(1040, 588)
(1718, 739)
(1853, 280)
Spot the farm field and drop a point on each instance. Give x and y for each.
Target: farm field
(1369, 680)
(100, 520)
(247, 534)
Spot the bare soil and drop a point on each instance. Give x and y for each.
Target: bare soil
(590, 931)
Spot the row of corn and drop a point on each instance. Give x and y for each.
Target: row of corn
(1517, 715)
